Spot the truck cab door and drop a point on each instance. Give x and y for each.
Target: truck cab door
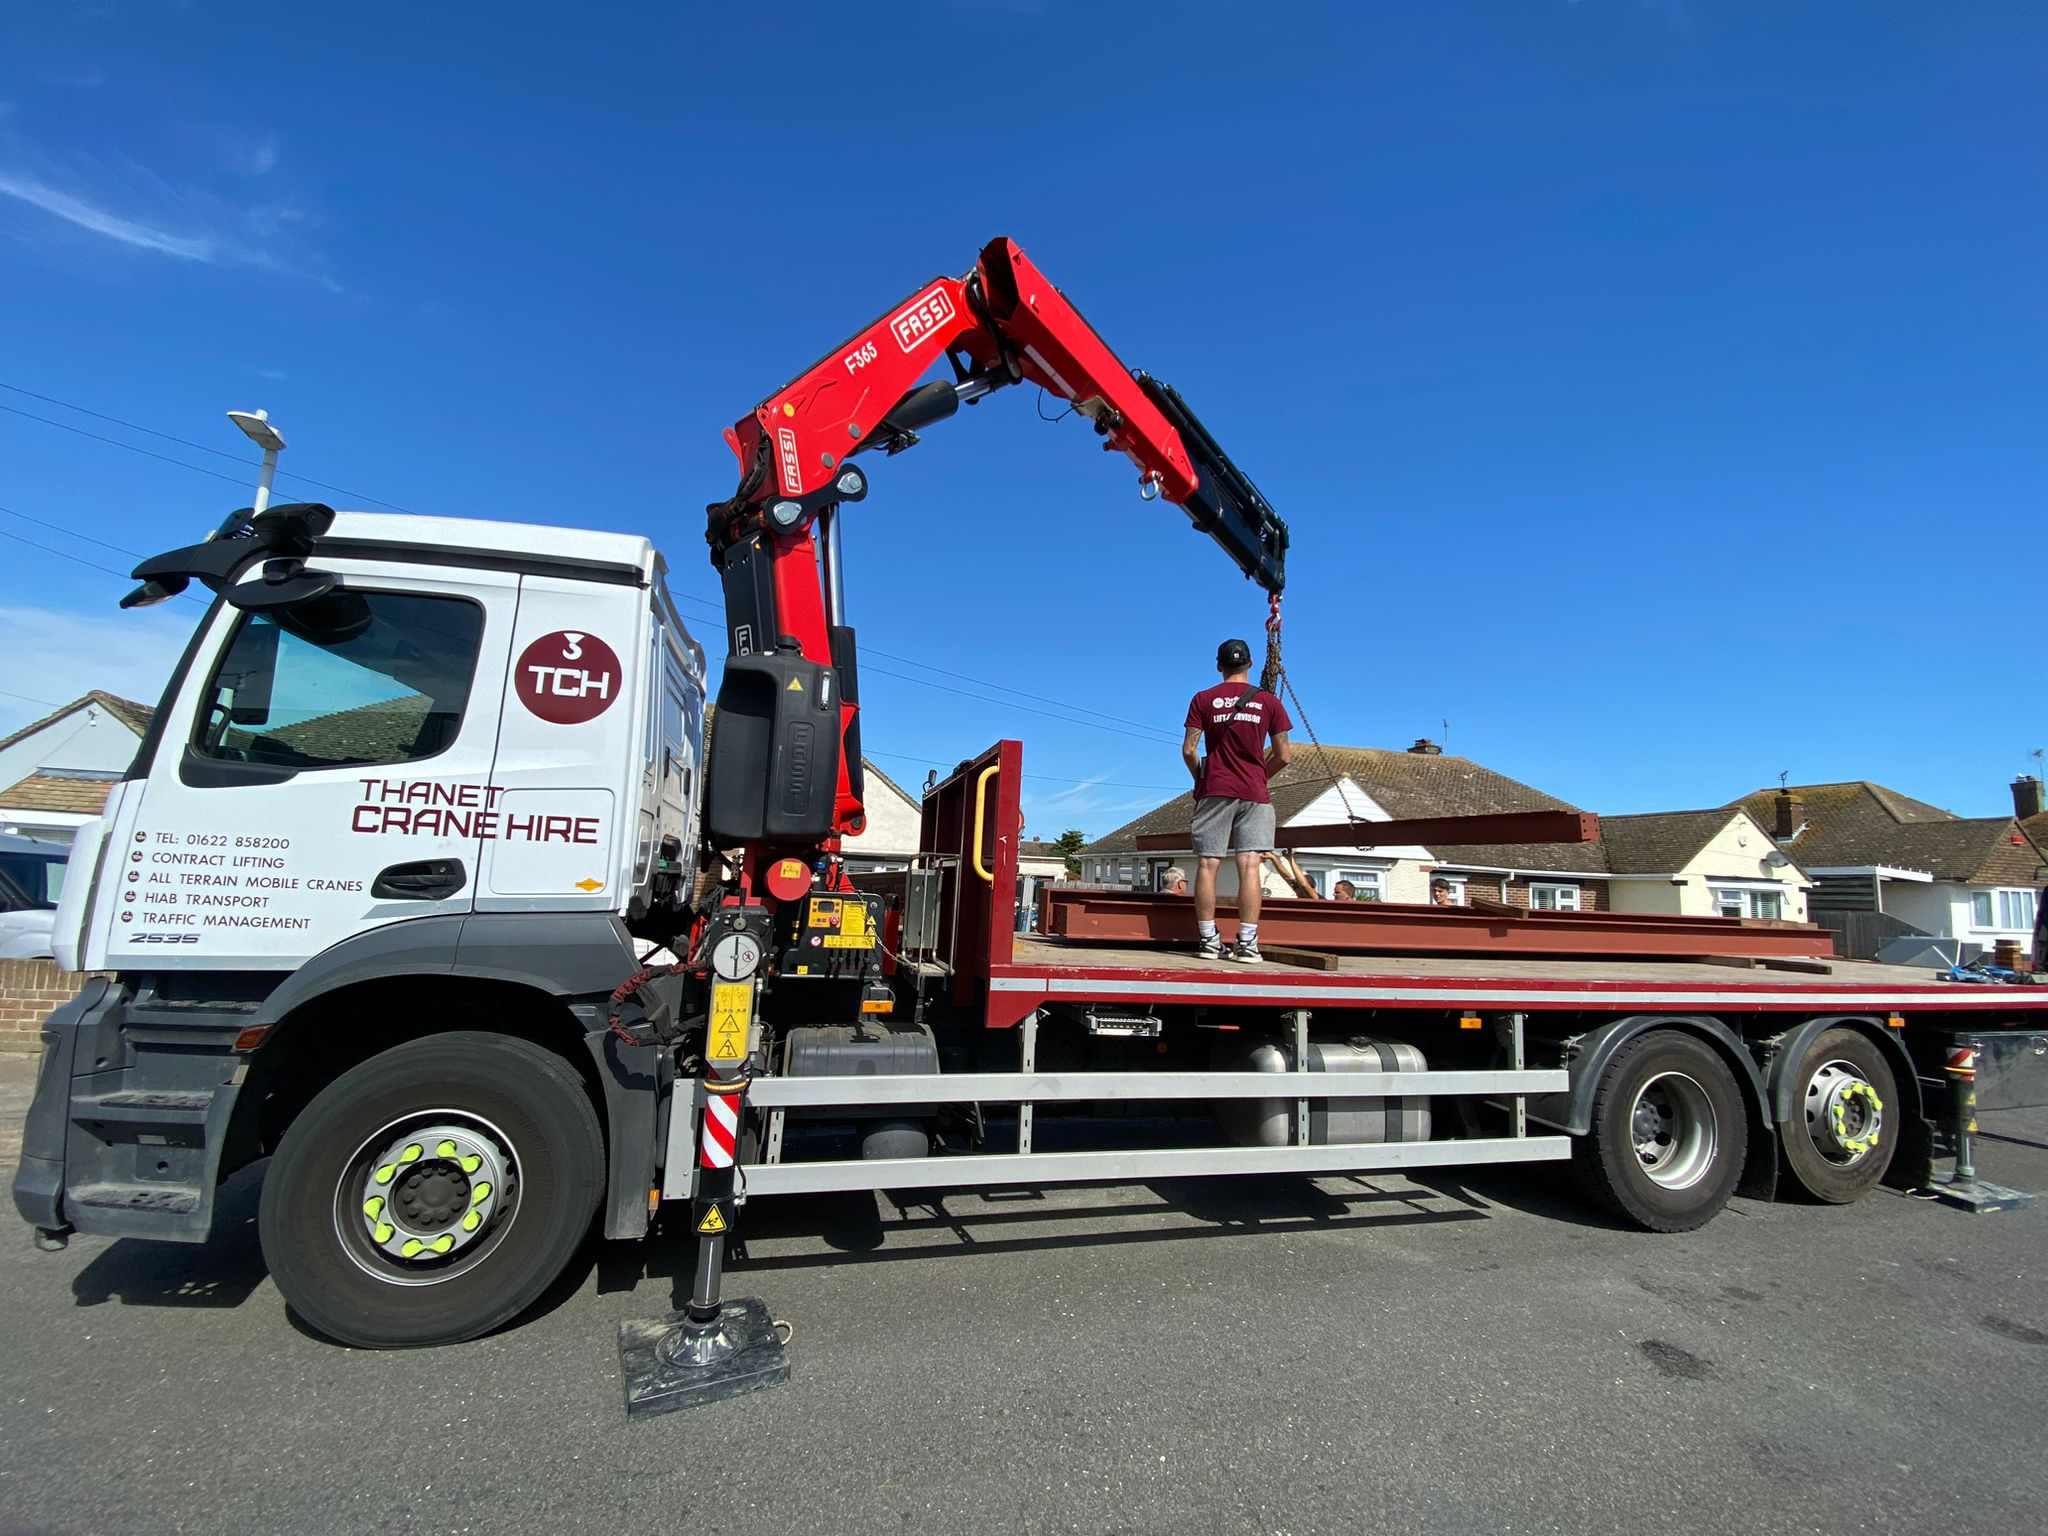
(324, 770)
(572, 746)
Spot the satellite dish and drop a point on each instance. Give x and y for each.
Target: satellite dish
(1776, 859)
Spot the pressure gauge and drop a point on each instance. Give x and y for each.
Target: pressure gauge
(736, 957)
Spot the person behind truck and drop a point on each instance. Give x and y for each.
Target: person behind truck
(1173, 881)
(1244, 729)
(1442, 893)
(1288, 868)
(1344, 890)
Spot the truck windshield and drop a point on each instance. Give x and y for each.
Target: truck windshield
(390, 689)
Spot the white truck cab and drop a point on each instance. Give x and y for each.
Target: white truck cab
(415, 791)
(480, 717)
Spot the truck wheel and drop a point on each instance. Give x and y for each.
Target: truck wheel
(431, 1193)
(1838, 1141)
(895, 1138)
(1669, 1133)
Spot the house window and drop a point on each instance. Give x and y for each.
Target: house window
(1365, 883)
(2010, 910)
(1741, 903)
(1547, 896)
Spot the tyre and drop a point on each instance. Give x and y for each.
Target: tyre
(1669, 1134)
(895, 1138)
(433, 1192)
(1838, 1140)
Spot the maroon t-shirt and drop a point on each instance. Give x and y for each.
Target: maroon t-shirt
(1235, 719)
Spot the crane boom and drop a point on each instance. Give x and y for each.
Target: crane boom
(775, 541)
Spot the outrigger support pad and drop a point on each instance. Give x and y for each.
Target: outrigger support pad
(678, 1362)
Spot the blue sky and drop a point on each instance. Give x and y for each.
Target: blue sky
(1654, 389)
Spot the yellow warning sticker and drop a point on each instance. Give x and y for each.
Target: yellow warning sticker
(713, 1222)
(853, 922)
(796, 685)
(732, 1011)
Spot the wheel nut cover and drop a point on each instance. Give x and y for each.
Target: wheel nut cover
(1857, 1092)
(468, 1161)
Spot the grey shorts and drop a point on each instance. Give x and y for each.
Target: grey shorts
(1232, 826)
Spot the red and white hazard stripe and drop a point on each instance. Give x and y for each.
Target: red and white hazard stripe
(1962, 1060)
(721, 1129)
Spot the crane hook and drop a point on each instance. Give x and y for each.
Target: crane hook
(1148, 486)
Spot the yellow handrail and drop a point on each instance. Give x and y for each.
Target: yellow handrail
(980, 818)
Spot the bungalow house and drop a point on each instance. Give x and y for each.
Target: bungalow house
(1885, 864)
(55, 773)
(1698, 863)
(1039, 864)
(890, 838)
(1334, 785)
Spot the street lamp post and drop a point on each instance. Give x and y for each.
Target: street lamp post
(259, 431)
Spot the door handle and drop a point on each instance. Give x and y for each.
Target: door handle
(424, 880)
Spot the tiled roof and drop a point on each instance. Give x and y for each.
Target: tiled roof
(1654, 843)
(1662, 843)
(54, 792)
(383, 732)
(1402, 783)
(2036, 827)
(131, 714)
(1858, 824)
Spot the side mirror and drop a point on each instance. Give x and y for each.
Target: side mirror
(248, 686)
(285, 584)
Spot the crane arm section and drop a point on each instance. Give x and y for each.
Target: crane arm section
(1002, 323)
(775, 786)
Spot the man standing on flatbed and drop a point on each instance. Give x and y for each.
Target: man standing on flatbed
(1244, 729)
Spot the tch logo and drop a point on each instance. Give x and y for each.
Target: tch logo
(919, 320)
(568, 677)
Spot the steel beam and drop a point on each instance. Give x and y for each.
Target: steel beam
(1116, 917)
(1503, 827)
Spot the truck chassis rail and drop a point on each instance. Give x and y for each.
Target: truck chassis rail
(778, 1095)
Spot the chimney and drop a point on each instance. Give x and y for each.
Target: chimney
(2026, 796)
(1424, 747)
(1790, 815)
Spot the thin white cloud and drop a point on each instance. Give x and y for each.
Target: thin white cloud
(58, 655)
(257, 159)
(1077, 792)
(76, 210)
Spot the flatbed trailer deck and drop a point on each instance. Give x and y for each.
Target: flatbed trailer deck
(1043, 970)
(1674, 1083)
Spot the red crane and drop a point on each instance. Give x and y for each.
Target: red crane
(784, 775)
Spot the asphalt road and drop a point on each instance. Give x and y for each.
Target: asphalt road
(1284, 1355)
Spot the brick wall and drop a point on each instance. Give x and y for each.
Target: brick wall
(29, 989)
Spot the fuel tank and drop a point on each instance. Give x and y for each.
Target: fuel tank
(1331, 1122)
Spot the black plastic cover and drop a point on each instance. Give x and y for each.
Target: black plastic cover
(774, 763)
(1226, 505)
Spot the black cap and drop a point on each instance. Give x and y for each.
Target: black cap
(1232, 654)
